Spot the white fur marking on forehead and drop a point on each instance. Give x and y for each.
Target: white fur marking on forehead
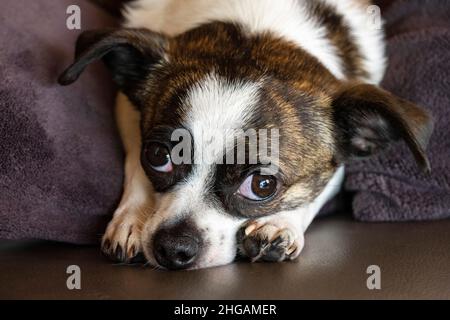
(215, 106)
(212, 107)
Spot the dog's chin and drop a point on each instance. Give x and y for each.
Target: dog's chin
(216, 257)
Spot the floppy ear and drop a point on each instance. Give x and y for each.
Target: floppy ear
(368, 119)
(128, 53)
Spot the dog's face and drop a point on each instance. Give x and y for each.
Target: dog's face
(292, 120)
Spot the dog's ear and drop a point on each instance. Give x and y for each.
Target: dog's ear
(128, 53)
(368, 119)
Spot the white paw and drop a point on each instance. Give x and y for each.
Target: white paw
(122, 239)
(270, 241)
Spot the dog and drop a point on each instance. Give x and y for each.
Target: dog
(308, 68)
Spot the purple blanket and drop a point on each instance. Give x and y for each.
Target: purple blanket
(60, 154)
(390, 187)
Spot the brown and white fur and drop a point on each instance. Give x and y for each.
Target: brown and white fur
(307, 67)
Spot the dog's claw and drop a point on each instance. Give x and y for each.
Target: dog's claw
(291, 250)
(249, 229)
(131, 251)
(118, 253)
(106, 245)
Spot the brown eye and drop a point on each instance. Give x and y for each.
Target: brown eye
(158, 156)
(258, 187)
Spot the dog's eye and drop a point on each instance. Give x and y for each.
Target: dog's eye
(158, 156)
(258, 187)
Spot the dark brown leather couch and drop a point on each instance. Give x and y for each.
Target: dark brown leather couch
(414, 259)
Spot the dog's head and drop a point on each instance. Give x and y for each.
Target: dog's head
(198, 89)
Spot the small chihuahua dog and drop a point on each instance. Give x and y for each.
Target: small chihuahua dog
(307, 68)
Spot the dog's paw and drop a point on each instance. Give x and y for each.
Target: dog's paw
(122, 239)
(269, 242)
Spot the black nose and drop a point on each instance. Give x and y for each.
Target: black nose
(176, 247)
